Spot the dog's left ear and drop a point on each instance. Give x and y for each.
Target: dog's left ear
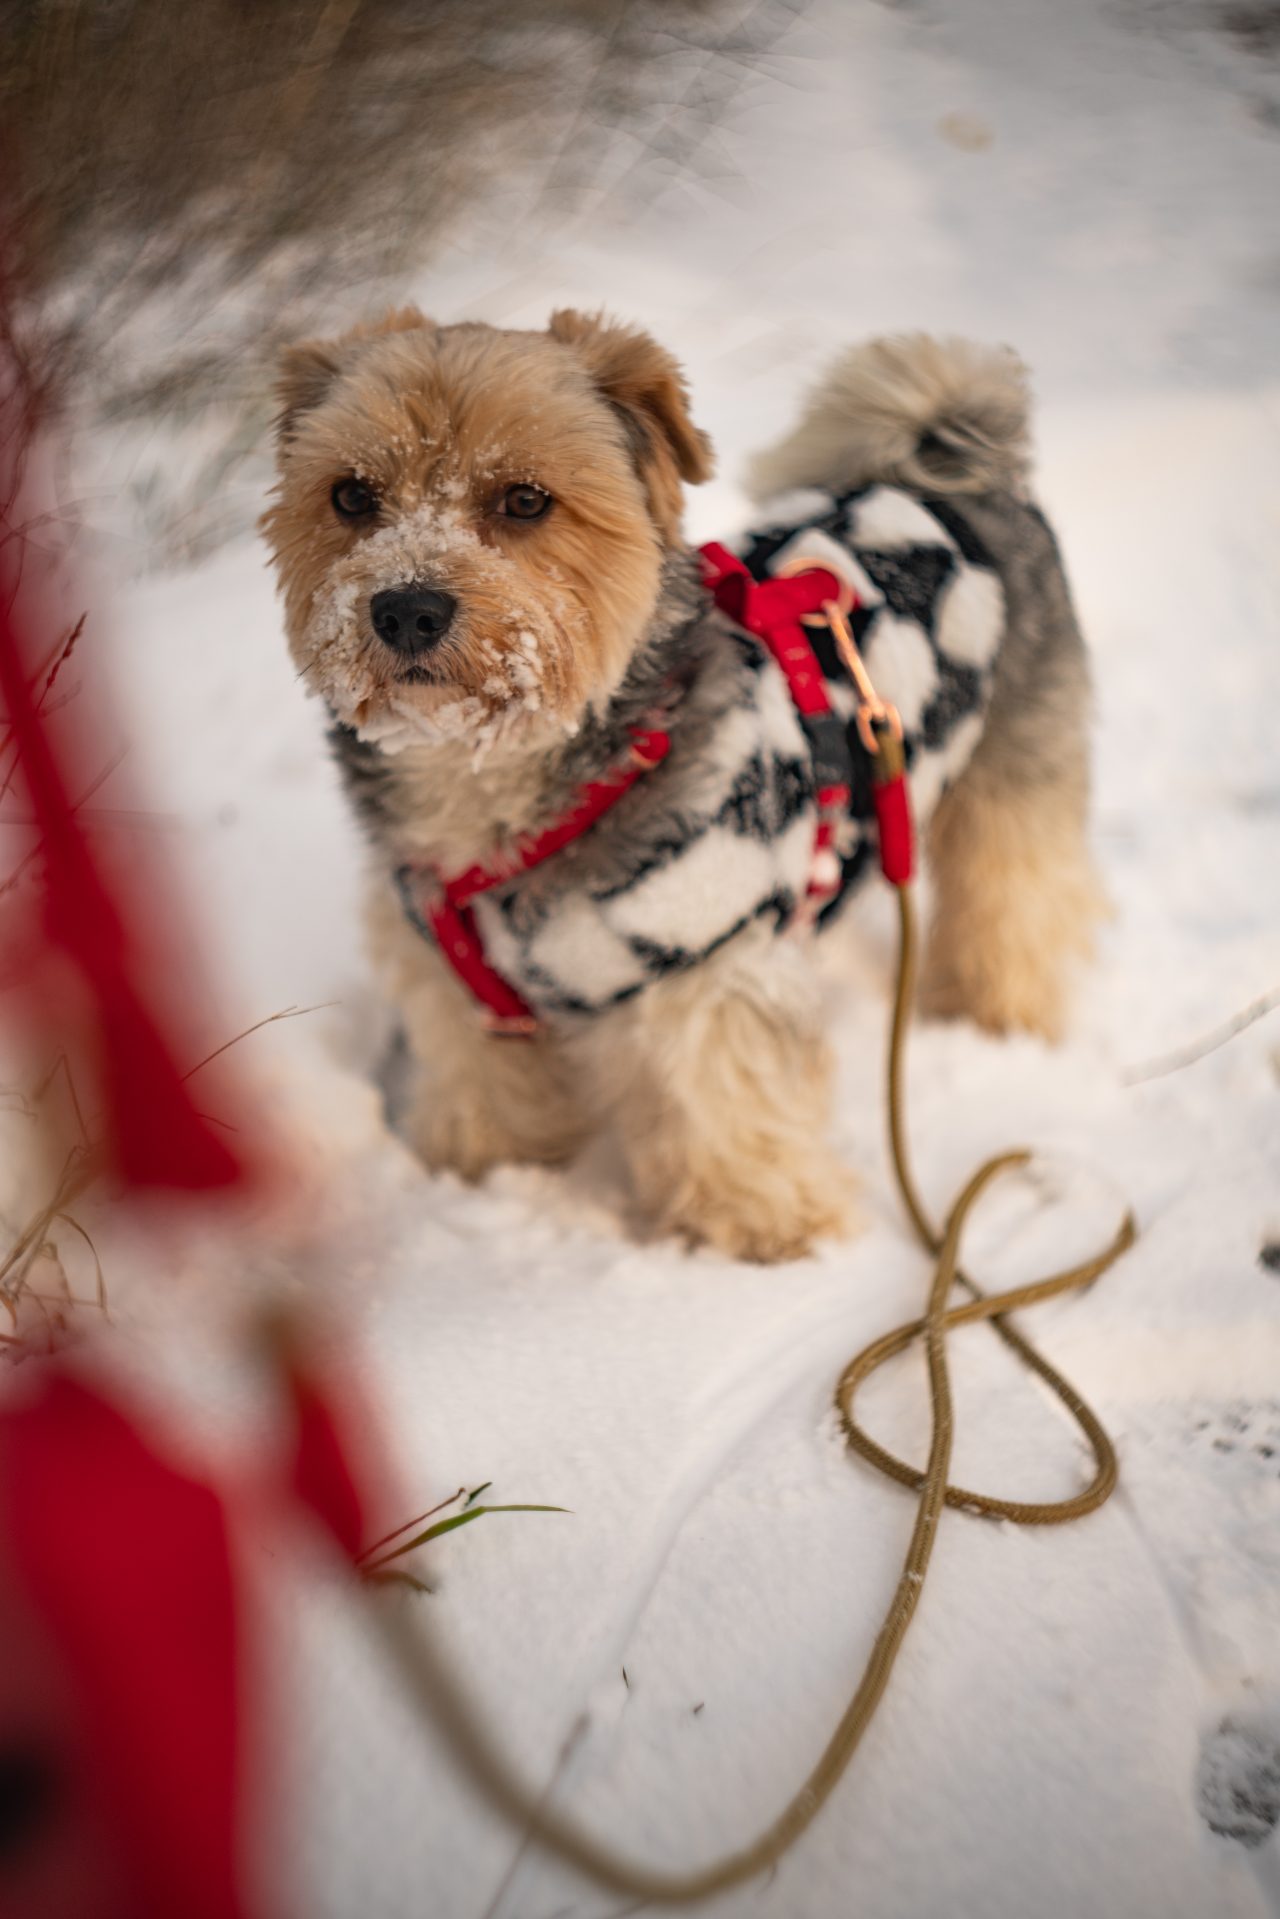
(645, 386)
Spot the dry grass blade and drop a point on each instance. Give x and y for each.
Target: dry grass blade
(99, 1276)
(287, 1012)
(78, 1170)
(1200, 1049)
(61, 657)
(78, 805)
(50, 667)
(61, 1069)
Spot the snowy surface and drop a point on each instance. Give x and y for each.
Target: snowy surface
(1084, 1721)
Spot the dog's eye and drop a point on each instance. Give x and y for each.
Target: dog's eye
(353, 500)
(525, 503)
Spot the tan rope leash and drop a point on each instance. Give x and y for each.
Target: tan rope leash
(980, 1305)
(471, 1744)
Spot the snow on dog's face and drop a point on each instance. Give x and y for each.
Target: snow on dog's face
(469, 524)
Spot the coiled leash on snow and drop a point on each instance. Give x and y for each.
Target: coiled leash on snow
(881, 732)
(432, 1681)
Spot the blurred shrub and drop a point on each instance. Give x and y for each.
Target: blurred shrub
(186, 185)
(264, 154)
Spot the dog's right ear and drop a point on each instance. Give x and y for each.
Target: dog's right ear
(309, 369)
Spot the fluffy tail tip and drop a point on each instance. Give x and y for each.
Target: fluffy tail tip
(940, 416)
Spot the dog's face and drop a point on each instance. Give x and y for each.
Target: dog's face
(469, 524)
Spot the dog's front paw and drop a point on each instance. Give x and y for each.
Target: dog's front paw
(764, 1214)
(506, 1102)
(1000, 998)
(458, 1135)
(465, 1134)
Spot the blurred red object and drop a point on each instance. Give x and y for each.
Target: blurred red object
(152, 1133)
(132, 1781)
(121, 1733)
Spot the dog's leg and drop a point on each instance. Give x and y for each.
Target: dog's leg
(1017, 895)
(719, 1082)
(478, 1100)
(1016, 902)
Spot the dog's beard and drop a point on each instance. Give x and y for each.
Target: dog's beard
(396, 712)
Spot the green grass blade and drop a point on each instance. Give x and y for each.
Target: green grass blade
(451, 1525)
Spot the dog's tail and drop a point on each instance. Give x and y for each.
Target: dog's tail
(939, 416)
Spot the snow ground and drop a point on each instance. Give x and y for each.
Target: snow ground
(1075, 1710)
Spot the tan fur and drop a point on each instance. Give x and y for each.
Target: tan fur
(943, 416)
(717, 1080)
(718, 1084)
(1017, 902)
(458, 811)
(309, 367)
(476, 1102)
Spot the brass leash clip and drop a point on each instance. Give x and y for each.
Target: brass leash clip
(874, 716)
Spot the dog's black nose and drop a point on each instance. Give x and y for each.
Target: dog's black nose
(412, 618)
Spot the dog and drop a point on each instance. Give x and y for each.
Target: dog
(478, 540)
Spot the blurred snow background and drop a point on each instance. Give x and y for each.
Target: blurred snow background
(1085, 1721)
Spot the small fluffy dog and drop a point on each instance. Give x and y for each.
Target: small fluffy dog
(478, 539)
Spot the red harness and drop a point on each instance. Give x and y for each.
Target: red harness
(772, 610)
(447, 914)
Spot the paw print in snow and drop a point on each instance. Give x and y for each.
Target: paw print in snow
(1238, 1781)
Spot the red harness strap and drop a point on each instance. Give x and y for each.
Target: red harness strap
(893, 813)
(451, 923)
(773, 610)
(649, 747)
